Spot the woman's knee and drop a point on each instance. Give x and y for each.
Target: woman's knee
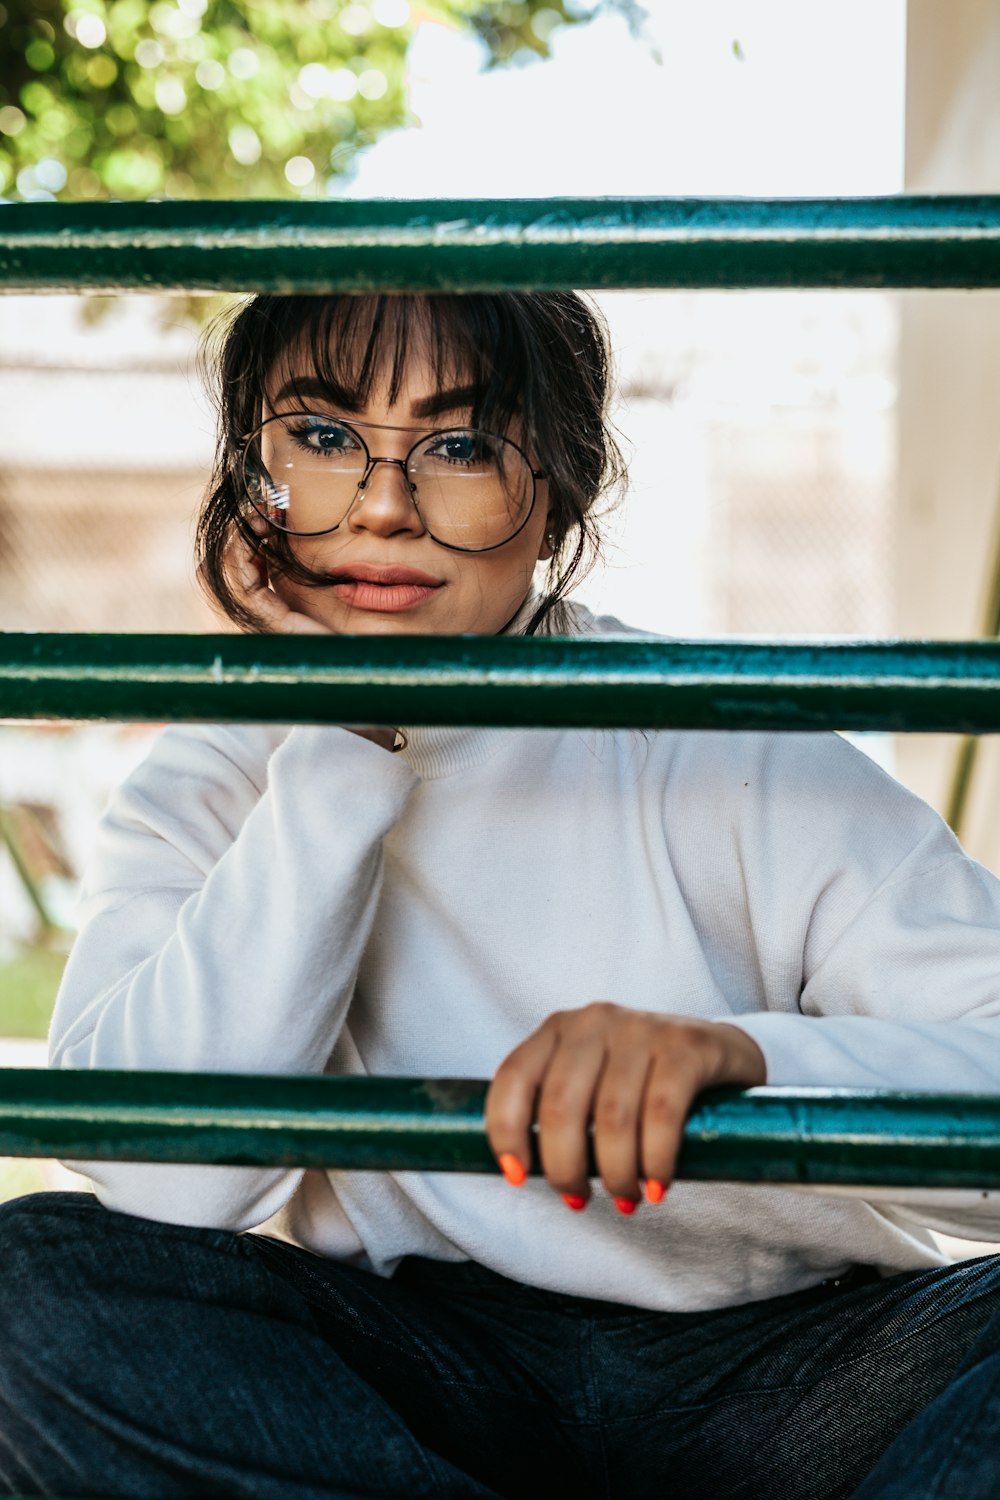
(51, 1254)
(41, 1227)
(43, 1238)
(88, 1291)
(66, 1259)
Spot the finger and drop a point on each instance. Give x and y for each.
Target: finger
(249, 572)
(672, 1084)
(695, 1058)
(276, 616)
(244, 563)
(510, 1101)
(616, 1113)
(565, 1102)
(252, 579)
(257, 522)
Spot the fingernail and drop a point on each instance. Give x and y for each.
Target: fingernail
(655, 1191)
(512, 1169)
(625, 1205)
(574, 1201)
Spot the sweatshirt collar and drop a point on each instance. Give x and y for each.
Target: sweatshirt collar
(440, 752)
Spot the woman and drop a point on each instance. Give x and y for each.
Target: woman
(604, 923)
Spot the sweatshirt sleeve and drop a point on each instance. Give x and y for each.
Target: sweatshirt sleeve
(904, 992)
(222, 924)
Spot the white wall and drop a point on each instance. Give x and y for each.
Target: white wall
(949, 400)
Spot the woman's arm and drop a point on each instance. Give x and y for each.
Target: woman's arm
(906, 998)
(224, 919)
(869, 945)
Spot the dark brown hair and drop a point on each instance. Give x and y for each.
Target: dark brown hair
(543, 356)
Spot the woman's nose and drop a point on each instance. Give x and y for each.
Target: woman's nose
(385, 502)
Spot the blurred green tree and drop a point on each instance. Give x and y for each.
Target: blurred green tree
(220, 98)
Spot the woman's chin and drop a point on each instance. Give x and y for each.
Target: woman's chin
(359, 623)
(427, 617)
(372, 622)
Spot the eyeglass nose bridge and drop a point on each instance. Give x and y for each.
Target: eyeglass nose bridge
(397, 463)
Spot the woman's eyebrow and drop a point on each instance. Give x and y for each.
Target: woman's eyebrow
(325, 389)
(458, 399)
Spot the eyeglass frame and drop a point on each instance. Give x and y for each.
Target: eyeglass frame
(399, 463)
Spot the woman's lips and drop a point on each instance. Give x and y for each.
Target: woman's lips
(386, 597)
(387, 590)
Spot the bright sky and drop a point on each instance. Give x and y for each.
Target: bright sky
(809, 102)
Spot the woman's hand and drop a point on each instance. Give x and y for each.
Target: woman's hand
(248, 574)
(633, 1074)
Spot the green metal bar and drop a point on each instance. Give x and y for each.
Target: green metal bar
(479, 245)
(830, 1136)
(614, 682)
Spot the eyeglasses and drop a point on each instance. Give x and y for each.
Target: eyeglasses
(472, 490)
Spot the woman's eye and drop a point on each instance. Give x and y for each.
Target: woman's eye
(324, 437)
(457, 447)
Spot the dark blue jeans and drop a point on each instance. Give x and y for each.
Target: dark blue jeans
(143, 1359)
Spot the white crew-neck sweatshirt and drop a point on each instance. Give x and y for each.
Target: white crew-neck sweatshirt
(298, 900)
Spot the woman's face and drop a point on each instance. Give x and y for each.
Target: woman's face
(453, 593)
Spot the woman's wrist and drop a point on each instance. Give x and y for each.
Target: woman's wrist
(743, 1062)
(379, 734)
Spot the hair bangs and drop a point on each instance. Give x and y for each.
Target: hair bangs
(356, 346)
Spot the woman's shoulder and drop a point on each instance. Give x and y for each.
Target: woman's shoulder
(210, 753)
(194, 776)
(570, 617)
(184, 803)
(814, 761)
(809, 809)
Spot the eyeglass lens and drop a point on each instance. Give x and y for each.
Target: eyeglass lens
(472, 490)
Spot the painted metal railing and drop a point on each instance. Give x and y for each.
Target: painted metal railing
(780, 1135)
(812, 1136)
(520, 244)
(605, 682)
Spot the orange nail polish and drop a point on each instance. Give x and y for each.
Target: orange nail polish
(574, 1201)
(625, 1205)
(512, 1169)
(655, 1191)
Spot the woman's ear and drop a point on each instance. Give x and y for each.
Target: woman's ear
(547, 547)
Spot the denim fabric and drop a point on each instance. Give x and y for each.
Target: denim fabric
(155, 1361)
